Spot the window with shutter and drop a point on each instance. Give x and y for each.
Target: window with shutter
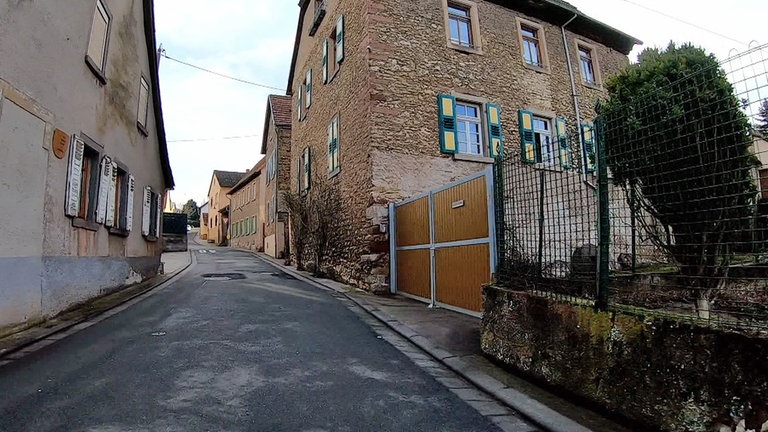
(96, 56)
(333, 146)
(527, 137)
(308, 87)
(340, 39)
(446, 105)
(141, 116)
(563, 143)
(105, 181)
(83, 178)
(146, 211)
(588, 138)
(495, 135)
(299, 103)
(112, 195)
(131, 189)
(325, 61)
(307, 170)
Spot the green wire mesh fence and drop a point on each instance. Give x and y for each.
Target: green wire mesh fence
(664, 210)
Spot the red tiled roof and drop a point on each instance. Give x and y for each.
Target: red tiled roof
(281, 109)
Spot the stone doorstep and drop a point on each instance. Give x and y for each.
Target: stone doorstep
(531, 409)
(13, 346)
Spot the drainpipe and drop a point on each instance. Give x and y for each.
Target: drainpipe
(575, 96)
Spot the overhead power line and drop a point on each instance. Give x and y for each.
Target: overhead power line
(685, 22)
(214, 139)
(163, 54)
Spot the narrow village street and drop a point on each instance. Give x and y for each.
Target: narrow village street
(260, 351)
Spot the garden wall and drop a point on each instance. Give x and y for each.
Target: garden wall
(665, 374)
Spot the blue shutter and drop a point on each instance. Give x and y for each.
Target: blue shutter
(495, 137)
(588, 138)
(563, 144)
(446, 105)
(528, 152)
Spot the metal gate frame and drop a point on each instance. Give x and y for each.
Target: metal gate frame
(433, 246)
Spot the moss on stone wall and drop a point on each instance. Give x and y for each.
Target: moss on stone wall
(657, 371)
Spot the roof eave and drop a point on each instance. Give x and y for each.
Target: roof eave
(149, 35)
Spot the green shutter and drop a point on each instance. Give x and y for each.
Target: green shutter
(446, 106)
(588, 138)
(331, 146)
(563, 143)
(527, 137)
(325, 62)
(309, 88)
(307, 169)
(340, 39)
(298, 103)
(495, 136)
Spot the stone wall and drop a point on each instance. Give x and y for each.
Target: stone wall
(347, 94)
(656, 371)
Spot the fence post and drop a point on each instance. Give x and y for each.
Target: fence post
(604, 220)
(498, 206)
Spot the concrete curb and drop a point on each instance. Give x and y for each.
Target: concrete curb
(69, 325)
(533, 410)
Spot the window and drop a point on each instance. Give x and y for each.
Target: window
(96, 56)
(151, 213)
(319, 10)
(469, 129)
(269, 210)
(299, 103)
(588, 64)
(308, 89)
(305, 170)
(83, 182)
(542, 132)
(333, 146)
(460, 26)
(271, 167)
(120, 205)
(141, 119)
(763, 174)
(531, 52)
(333, 51)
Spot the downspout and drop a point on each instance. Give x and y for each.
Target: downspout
(575, 96)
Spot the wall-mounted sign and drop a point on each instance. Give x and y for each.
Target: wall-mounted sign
(60, 143)
(457, 204)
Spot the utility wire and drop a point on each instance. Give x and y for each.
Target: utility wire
(686, 22)
(163, 54)
(214, 139)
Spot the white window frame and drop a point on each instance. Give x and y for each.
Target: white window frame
(540, 41)
(467, 134)
(541, 136)
(461, 20)
(594, 61)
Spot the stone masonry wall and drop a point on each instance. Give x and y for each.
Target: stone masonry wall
(658, 372)
(348, 96)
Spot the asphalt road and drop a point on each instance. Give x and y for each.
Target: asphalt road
(263, 353)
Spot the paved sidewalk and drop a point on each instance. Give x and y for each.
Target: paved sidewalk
(23, 341)
(175, 261)
(454, 340)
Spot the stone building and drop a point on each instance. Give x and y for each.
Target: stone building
(392, 98)
(83, 158)
(218, 205)
(276, 146)
(247, 209)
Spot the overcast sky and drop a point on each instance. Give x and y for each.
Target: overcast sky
(253, 40)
